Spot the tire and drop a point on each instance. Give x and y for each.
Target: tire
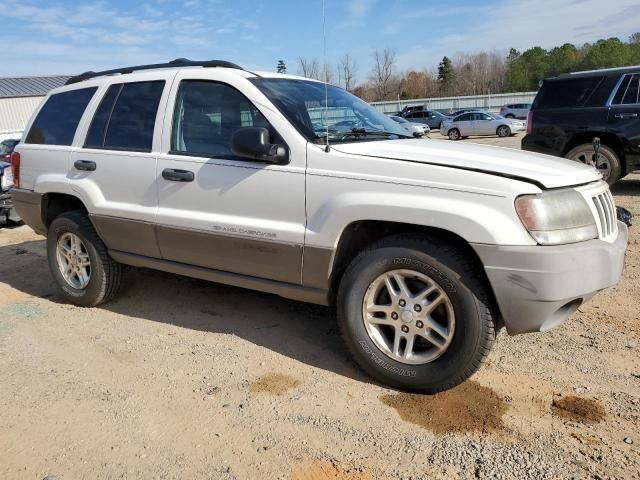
(510, 115)
(612, 171)
(503, 131)
(456, 277)
(104, 273)
(454, 134)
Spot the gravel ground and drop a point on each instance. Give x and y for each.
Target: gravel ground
(179, 378)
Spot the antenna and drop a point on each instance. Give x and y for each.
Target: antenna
(324, 68)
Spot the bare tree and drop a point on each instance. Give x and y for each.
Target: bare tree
(347, 71)
(382, 74)
(309, 68)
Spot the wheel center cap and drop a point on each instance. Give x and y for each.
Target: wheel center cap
(406, 316)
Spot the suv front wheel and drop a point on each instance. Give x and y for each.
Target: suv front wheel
(79, 261)
(415, 314)
(607, 163)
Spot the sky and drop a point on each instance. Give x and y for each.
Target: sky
(68, 37)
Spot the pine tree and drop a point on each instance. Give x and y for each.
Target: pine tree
(445, 74)
(282, 68)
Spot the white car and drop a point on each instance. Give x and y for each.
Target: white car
(415, 129)
(204, 169)
(516, 110)
(480, 123)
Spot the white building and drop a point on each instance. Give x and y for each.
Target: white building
(19, 97)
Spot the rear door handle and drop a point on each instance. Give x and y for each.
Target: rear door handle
(175, 175)
(85, 165)
(626, 115)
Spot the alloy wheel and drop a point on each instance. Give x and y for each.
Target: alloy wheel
(408, 316)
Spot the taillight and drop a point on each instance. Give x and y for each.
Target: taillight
(15, 168)
(530, 122)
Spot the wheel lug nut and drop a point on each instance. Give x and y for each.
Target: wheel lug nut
(417, 308)
(405, 329)
(394, 315)
(402, 303)
(419, 324)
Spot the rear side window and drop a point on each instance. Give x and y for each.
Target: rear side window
(566, 93)
(126, 117)
(628, 92)
(58, 119)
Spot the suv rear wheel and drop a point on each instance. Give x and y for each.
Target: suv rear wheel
(608, 163)
(79, 262)
(415, 314)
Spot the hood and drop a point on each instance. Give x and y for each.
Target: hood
(542, 170)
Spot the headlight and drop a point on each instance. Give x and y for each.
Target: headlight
(557, 217)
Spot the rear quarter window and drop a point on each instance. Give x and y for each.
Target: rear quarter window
(58, 119)
(573, 92)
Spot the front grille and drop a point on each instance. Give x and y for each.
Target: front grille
(607, 218)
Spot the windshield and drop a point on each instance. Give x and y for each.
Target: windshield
(343, 115)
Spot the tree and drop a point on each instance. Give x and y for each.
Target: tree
(382, 73)
(445, 75)
(347, 71)
(634, 39)
(309, 68)
(282, 68)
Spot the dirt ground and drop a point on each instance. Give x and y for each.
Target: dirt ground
(183, 379)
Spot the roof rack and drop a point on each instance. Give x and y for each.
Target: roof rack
(178, 62)
(601, 70)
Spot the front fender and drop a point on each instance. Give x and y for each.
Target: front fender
(490, 220)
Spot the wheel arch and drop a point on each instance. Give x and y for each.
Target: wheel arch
(55, 204)
(362, 234)
(608, 139)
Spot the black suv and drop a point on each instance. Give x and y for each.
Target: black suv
(571, 110)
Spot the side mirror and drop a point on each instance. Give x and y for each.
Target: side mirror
(254, 144)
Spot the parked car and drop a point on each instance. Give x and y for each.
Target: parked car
(480, 123)
(425, 248)
(432, 118)
(415, 129)
(7, 212)
(571, 110)
(410, 109)
(515, 110)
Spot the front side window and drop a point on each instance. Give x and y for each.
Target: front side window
(126, 117)
(320, 113)
(206, 116)
(58, 119)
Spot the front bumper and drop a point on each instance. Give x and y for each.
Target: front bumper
(537, 288)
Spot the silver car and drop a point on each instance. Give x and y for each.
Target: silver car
(415, 129)
(515, 110)
(480, 123)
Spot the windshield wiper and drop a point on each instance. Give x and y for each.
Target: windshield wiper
(361, 132)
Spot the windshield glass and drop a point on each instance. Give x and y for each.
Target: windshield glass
(343, 115)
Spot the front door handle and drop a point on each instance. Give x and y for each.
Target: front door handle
(626, 115)
(175, 175)
(84, 165)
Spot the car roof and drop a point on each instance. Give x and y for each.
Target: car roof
(130, 73)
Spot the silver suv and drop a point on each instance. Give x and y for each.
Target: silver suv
(253, 179)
